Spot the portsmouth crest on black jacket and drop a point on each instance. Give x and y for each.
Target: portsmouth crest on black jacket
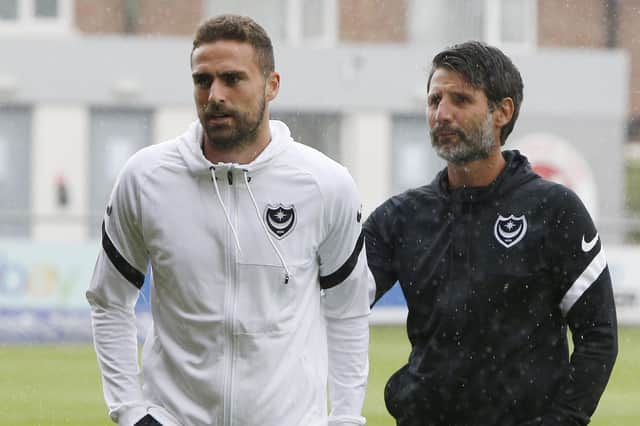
(493, 277)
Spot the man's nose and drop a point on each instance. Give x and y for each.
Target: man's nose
(216, 92)
(444, 112)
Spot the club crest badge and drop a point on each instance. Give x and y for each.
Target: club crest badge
(510, 230)
(280, 219)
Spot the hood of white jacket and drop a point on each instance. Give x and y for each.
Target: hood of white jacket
(189, 144)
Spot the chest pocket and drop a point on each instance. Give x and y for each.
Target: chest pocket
(514, 277)
(266, 303)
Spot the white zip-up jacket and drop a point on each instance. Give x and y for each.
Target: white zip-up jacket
(259, 294)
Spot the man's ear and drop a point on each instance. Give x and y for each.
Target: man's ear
(272, 86)
(503, 112)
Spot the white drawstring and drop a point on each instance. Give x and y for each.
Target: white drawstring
(264, 228)
(224, 208)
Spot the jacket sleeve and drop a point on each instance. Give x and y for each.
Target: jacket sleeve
(345, 280)
(112, 294)
(577, 259)
(380, 249)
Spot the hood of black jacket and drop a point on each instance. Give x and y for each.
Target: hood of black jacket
(517, 171)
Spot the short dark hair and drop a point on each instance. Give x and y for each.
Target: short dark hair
(237, 28)
(484, 67)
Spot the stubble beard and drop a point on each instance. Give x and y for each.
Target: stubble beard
(240, 133)
(477, 145)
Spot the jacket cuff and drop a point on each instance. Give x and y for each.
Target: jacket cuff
(132, 415)
(347, 420)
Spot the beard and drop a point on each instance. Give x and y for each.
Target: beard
(476, 145)
(242, 129)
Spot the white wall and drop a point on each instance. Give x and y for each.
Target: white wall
(170, 122)
(366, 152)
(60, 147)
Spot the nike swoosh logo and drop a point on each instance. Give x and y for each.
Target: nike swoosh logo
(587, 246)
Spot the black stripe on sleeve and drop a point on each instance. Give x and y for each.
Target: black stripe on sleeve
(132, 275)
(343, 272)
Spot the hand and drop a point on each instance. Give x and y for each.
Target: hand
(148, 420)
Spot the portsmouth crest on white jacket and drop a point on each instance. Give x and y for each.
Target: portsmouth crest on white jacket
(259, 294)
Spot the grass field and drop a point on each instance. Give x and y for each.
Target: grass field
(632, 196)
(59, 385)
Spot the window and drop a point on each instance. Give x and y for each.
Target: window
(286, 21)
(504, 23)
(511, 23)
(116, 134)
(8, 10)
(15, 171)
(25, 16)
(316, 129)
(414, 162)
(46, 9)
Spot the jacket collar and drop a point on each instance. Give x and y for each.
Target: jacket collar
(191, 150)
(516, 172)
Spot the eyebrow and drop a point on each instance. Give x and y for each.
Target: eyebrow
(462, 94)
(220, 73)
(238, 73)
(453, 92)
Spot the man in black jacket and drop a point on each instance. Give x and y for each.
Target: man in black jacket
(494, 263)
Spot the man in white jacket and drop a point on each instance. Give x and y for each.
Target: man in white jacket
(259, 293)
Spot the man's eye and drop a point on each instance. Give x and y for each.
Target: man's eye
(202, 80)
(433, 100)
(460, 99)
(231, 79)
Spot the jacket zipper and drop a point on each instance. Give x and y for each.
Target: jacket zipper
(229, 307)
(236, 287)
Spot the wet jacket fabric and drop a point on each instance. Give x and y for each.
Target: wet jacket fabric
(493, 277)
(259, 294)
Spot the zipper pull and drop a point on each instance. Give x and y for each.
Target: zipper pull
(230, 177)
(286, 278)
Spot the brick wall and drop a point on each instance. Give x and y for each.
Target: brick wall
(169, 17)
(166, 17)
(572, 23)
(105, 16)
(386, 21)
(629, 39)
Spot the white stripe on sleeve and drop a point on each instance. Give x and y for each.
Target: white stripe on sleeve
(584, 281)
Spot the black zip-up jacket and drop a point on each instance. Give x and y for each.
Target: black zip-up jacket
(492, 277)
